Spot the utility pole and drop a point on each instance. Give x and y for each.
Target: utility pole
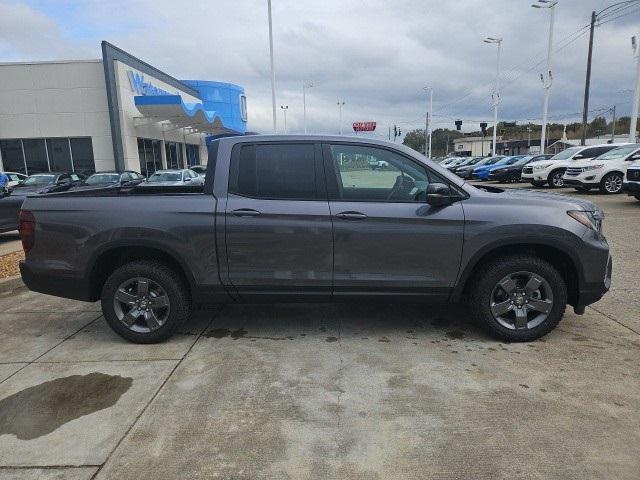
(585, 108)
(426, 129)
(340, 104)
(284, 109)
(273, 72)
(547, 77)
(495, 96)
(613, 125)
(529, 136)
(635, 43)
(429, 120)
(305, 85)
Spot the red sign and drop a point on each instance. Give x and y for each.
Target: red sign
(364, 126)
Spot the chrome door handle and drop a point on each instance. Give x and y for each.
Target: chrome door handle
(245, 212)
(351, 215)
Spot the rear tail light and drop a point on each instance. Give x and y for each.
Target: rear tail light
(27, 229)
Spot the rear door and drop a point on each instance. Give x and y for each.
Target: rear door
(387, 239)
(278, 227)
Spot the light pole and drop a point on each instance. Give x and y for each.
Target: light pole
(284, 110)
(547, 77)
(636, 93)
(305, 85)
(340, 104)
(429, 120)
(495, 96)
(273, 72)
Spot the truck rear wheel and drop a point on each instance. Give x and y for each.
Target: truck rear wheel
(145, 301)
(519, 298)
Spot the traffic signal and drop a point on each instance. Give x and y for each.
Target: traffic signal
(458, 124)
(483, 127)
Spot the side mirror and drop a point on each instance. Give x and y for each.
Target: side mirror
(578, 156)
(439, 194)
(635, 156)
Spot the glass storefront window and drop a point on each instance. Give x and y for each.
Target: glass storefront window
(12, 158)
(150, 156)
(37, 155)
(59, 154)
(174, 155)
(82, 153)
(193, 155)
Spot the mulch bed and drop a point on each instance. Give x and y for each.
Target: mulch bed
(9, 264)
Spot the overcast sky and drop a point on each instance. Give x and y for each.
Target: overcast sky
(374, 55)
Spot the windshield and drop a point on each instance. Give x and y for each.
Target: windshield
(165, 177)
(512, 160)
(39, 180)
(523, 160)
(100, 178)
(618, 153)
(566, 154)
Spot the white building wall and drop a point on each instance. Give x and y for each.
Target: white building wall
(57, 99)
(131, 128)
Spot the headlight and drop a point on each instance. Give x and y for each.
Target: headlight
(592, 220)
(541, 166)
(594, 167)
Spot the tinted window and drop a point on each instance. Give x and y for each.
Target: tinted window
(596, 151)
(377, 175)
(274, 171)
(12, 158)
(82, 152)
(35, 154)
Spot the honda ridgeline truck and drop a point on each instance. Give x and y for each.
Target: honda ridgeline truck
(291, 218)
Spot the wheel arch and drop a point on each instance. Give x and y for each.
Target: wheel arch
(562, 259)
(111, 257)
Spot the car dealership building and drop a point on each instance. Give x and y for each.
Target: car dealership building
(116, 113)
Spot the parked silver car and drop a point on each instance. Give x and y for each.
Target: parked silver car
(174, 177)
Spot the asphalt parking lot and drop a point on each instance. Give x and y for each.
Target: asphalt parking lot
(326, 391)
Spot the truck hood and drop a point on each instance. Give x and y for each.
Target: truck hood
(535, 197)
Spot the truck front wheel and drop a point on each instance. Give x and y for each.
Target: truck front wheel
(519, 298)
(145, 301)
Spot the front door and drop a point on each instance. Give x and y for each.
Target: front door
(387, 239)
(277, 222)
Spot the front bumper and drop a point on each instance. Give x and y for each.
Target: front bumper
(578, 182)
(632, 188)
(597, 267)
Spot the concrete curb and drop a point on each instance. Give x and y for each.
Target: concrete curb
(11, 283)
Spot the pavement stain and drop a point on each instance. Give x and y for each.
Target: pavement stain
(331, 339)
(43, 408)
(455, 334)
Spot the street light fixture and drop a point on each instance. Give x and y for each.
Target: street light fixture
(340, 105)
(495, 96)
(547, 77)
(305, 85)
(284, 109)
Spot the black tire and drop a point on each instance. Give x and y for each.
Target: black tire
(173, 287)
(486, 282)
(537, 183)
(555, 178)
(612, 183)
(637, 197)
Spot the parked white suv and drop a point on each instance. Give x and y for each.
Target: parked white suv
(551, 171)
(605, 172)
(631, 183)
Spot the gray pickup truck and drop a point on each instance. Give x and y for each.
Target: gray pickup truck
(290, 218)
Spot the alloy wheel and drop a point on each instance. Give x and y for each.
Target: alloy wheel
(521, 300)
(613, 183)
(557, 179)
(141, 304)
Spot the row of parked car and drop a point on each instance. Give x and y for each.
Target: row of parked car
(19, 185)
(611, 168)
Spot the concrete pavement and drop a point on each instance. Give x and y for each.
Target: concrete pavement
(325, 391)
